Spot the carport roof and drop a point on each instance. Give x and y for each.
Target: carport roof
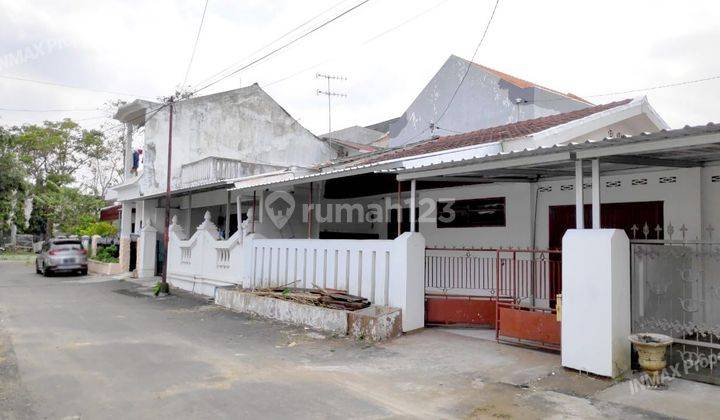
(684, 147)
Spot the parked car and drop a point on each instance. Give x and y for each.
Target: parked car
(61, 255)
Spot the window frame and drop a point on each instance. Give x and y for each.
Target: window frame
(469, 225)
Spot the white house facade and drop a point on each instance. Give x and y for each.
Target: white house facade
(462, 229)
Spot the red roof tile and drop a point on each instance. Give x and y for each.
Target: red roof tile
(525, 84)
(488, 135)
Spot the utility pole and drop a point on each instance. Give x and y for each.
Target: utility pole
(164, 287)
(329, 93)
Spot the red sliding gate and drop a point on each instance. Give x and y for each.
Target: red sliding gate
(512, 291)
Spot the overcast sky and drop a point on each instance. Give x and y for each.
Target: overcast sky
(143, 48)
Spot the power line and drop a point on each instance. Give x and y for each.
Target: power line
(137, 118)
(305, 23)
(44, 82)
(470, 63)
(433, 125)
(645, 89)
(197, 38)
(327, 22)
(367, 41)
(667, 85)
(48, 110)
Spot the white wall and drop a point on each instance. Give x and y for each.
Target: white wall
(681, 198)
(244, 124)
(516, 232)
(682, 205)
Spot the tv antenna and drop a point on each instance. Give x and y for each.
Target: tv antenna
(329, 93)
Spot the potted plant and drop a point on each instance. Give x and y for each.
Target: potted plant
(651, 350)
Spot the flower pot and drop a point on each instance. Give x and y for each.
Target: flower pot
(651, 350)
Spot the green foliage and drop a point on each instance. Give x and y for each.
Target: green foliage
(157, 288)
(42, 161)
(67, 207)
(97, 228)
(54, 151)
(12, 180)
(106, 254)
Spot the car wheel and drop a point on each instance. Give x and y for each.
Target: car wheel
(46, 272)
(37, 268)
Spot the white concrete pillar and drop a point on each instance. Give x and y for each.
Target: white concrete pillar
(139, 215)
(407, 274)
(94, 245)
(147, 244)
(596, 301)
(579, 202)
(412, 206)
(125, 231)
(238, 209)
(596, 193)
(188, 216)
(128, 149)
(227, 216)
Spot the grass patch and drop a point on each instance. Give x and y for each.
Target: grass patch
(17, 256)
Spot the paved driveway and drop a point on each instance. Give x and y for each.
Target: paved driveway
(89, 347)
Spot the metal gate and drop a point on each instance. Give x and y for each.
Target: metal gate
(510, 290)
(675, 290)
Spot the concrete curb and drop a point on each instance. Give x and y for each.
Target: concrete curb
(374, 323)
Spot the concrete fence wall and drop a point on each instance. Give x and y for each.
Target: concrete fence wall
(204, 257)
(386, 272)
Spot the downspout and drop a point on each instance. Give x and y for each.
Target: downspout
(533, 240)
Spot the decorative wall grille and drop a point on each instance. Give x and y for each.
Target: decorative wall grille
(639, 181)
(667, 179)
(567, 187)
(675, 290)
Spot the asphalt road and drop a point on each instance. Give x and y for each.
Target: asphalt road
(94, 348)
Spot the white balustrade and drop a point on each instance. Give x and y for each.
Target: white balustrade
(208, 170)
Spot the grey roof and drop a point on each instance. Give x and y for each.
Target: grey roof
(382, 126)
(355, 134)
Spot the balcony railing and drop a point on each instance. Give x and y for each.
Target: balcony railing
(208, 170)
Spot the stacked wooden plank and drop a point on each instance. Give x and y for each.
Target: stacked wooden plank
(327, 298)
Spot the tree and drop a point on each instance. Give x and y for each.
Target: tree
(12, 181)
(107, 170)
(52, 154)
(66, 208)
(54, 151)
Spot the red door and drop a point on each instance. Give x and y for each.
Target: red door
(632, 217)
(612, 215)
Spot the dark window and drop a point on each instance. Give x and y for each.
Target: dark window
(66, 245)
(479, 212)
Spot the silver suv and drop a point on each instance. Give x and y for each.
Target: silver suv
(61, 255)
